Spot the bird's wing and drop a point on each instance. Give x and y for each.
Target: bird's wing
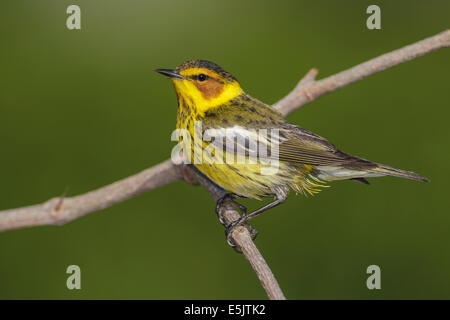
(242, 126)
(302, 146)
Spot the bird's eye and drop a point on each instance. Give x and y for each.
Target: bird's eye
(202, 77)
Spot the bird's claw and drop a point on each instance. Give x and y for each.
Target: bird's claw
(230, 228)
(242, 220)
(229, 197)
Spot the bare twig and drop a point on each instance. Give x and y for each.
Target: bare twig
(311, 90)
(62, 210)
(242, 237)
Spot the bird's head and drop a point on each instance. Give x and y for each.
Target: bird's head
(203, 84)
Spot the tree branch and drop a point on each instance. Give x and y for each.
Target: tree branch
(243, 239)
(61, 210)
(308, 89)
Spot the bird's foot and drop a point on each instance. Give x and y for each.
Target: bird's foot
(229, 198)
(232, 226)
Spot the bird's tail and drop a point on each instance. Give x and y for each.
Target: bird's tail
(390, 171)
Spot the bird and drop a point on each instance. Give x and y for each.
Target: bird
(248, 149)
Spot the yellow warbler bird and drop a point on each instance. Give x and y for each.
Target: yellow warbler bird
(251, 150)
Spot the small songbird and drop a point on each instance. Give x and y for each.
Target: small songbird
(212, 102)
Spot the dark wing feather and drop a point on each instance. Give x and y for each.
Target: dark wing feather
(303, 146)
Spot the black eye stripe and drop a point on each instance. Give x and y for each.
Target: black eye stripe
(199, 77)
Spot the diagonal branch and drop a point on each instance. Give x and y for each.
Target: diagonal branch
(308, 89)
(62, 210)
(242, 238)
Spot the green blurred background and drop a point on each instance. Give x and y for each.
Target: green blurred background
(81, 109)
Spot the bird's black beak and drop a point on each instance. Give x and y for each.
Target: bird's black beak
(173, 74)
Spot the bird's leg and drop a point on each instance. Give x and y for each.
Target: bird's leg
(280, 196)
(245, 218)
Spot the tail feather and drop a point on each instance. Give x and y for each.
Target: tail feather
(360, 180)
(390, 171)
